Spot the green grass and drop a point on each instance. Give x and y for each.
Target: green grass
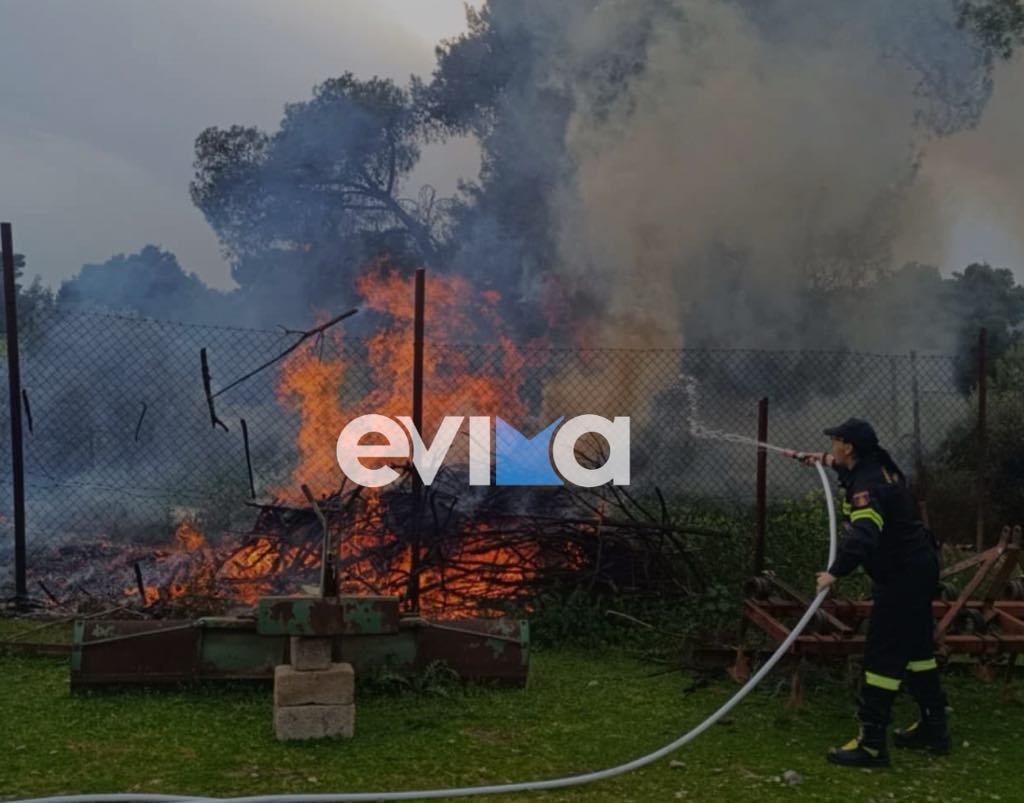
(32, 631)
(580, 712)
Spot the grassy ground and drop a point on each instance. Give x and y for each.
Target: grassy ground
(580, 712)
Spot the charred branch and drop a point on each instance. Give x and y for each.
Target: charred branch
(303, 337)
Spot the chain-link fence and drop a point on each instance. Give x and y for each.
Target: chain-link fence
(120, 447)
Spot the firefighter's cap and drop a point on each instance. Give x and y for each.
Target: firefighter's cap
(855, 431)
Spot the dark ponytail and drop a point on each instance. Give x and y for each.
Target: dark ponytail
(890, 465)
(879, 455)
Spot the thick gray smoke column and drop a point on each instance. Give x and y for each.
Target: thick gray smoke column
(975, 182)
(757, 146)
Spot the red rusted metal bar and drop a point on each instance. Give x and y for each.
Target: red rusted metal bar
(419, 307)
(974, 560)
(1010, 623)
(1010, 556)
(818, 644)
(759, 616)
(762, 486)
(14, 392)
(992, 557)
(857, 610)
(969, 589)
(804, 601)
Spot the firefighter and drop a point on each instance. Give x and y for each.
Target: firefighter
(885, 536)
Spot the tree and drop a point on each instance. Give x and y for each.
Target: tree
(508, 84)
(983, 296)
(19, 267)
(955, 480)
(149, 283)
(287, 202)
(999, 24)
(33, 303)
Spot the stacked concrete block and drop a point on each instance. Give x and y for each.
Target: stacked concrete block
(313, 697)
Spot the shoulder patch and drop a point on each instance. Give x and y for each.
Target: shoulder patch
(861, 499)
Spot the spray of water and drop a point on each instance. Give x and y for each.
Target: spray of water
(698, 430)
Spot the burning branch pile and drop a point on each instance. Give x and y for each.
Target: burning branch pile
(479, 553)
(447, 549)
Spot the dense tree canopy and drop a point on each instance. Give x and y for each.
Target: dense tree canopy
(149, 283)
(298, 205)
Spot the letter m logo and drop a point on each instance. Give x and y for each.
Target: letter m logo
(520, 460)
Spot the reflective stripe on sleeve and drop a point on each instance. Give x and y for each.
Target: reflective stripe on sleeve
(868, 513)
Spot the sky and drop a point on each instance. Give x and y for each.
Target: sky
(102, 101)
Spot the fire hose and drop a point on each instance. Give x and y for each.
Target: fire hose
(525, 786)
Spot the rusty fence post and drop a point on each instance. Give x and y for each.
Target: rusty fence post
(894, 399)
(740, 670)
(14, 388)
(762, 486)
(413, 595)
(248, 459)
(979, 536)
(920, 475)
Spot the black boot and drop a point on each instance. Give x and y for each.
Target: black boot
(930, 732)
(867, 750)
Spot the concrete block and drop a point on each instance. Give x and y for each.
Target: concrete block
(331, 686)
(310, 654)
(314, 721)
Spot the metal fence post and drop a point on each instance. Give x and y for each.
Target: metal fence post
(982, 437)
(14, 388)
(920, 477)
(762, 486)
(894, 398)
(417, 420)
(248, 459)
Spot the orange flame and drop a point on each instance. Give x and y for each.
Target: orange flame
(188, 537)
(457, 381)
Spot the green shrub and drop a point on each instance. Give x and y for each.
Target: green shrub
(796, 547)
(952, 477)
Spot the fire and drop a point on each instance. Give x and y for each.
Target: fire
(459, 571)
(186, 565)
(188, 537)
(247, 570)
(313, 385)
(454, 314)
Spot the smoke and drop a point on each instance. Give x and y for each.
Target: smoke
(974, 184)
(721, 158)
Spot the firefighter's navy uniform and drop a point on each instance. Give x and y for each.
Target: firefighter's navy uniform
(885, 536)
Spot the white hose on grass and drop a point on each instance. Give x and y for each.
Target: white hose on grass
(525, 786)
